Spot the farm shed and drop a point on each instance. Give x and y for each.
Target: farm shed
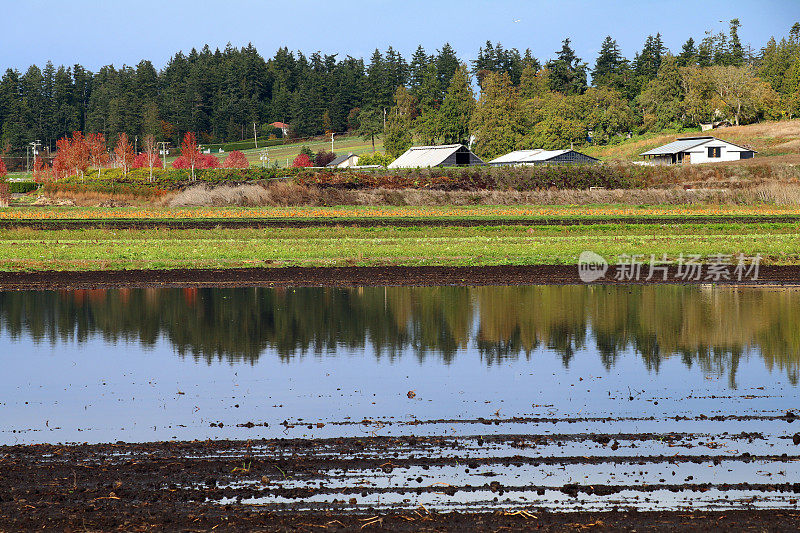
(541, 157)
(694, 150)
(344, 161)
(449, 155)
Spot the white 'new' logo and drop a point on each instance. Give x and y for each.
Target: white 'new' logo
(591, 266)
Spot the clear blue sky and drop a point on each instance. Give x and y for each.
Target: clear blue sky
(95, 33)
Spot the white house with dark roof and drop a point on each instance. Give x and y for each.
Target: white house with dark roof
(694, 150)
(344, 161)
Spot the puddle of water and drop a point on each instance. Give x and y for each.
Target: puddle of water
(550, 500)
(153, 364)
(682, 388)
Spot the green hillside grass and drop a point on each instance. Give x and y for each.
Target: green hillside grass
(342, 145)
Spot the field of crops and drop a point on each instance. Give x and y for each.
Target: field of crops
(104, 249)
(532, 212)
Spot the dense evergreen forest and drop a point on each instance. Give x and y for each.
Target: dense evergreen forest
(221, 94)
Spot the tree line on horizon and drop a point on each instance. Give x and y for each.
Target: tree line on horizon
(222, 95)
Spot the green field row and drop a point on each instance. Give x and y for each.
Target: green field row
(99, 249)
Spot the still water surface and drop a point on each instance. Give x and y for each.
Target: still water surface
(156, 364)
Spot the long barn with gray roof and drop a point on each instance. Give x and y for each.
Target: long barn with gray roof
(541, 157)
(448, 155)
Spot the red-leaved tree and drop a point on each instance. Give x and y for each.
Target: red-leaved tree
(41, 172)
(190, 152)
(181, 162)
(123, 153)
(72, 155)
(5, 192)
(236, 159)
(143, 161)
(203, 161)
(59, 167)
(98, 156)
(207, 161)
(302, 160)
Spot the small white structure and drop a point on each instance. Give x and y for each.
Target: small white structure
(541, 157)
(694, 150)
(448, 155)
(281, 126)
(715, 124)
(344, 161)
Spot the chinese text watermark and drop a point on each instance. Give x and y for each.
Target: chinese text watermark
(694, 267)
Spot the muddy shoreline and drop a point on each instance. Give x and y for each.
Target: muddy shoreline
(354, 276)
(204, 485)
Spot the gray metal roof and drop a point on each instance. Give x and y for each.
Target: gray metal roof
(424, 156)
(685, 144)
(681, 145)
(340, 159)
(527, 156)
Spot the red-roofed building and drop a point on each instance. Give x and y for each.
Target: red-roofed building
(281, 126)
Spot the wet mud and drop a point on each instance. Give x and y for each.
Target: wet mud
(379, 483)
(354, 276)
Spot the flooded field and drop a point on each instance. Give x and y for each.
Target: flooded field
(540, 397)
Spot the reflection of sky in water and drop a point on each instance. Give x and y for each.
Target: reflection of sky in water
(100, 390)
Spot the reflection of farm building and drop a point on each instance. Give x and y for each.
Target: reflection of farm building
(541, 157)
(449, 155)
(692, 150)
(344, 161)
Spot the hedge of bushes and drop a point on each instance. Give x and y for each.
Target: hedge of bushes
(22, 187)
(609, 176)
(468, 178)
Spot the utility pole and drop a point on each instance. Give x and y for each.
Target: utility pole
(255, 135)
(331, 142)
(163, 145)
(34, 145)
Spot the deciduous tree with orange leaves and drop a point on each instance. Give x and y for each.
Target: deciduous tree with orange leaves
(302, 160)
(5, 193)
(236, 159)
(72, 155)
(98, 156)
(190, 152)
(123, 153)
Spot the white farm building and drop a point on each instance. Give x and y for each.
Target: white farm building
(693, 150)
(542, 157)
(344, 161)
(448, 155)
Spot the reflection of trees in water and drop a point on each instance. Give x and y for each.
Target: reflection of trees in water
(712, 328)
